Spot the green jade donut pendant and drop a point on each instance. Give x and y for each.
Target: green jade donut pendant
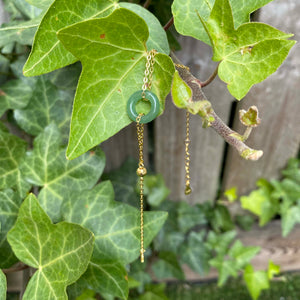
(135, 98)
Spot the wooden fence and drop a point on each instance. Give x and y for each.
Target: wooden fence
(214, 165)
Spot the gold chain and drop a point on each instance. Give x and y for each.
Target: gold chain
(142, 171)
(147, 81)
(187, 141)
(182, 66)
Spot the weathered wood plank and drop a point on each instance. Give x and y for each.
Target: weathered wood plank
(282, 251)
(277, 99)
(206, 146)
(123, 145)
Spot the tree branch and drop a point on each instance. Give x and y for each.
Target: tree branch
(211, 119)
(210, 78)
(18, 268)
(147, 3)
(169, 24)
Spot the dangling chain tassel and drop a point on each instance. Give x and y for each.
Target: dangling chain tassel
(187, 141)
(141, 172)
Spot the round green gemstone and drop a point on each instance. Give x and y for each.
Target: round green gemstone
(135, 98)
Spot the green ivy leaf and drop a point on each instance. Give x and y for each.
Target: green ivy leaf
(48, 53)
(115, 225)
(51, 55)
(195, 253)
(154, 292)
(3, 285)
(20, 32)
(34, 240)
(157, 35)
(187, 21)
(43, 4)
(226, 268)
(12, 151)
(231, 194)
(47, 105)
(182, 96)
(289, 218)
(107, 277)
(287, 190)
(14, 94)
(27, 10)
(241, 254)
(220, 242)
(261, 203)
(9, 208)
(47, 167)
(221, 219)
(256, 281)
(155, 189)
(100, 104)
(293, 170)
(124, 182)
(273, 270)
(248, 54)
(167, 266)
(189, 216)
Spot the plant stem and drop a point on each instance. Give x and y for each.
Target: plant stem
(169, 24)
(147, 3)
(15, 269)
(212, 119)
(211, 77)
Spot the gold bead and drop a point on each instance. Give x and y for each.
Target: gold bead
(188, 189)
(141, 171)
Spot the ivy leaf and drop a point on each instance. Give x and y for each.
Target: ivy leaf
(195, 253)
(273, 270)
(289, 218)
(117, 235)
(3, 285)
(256, 281)
(261, 203)
(49, 56)
(100, 104)
(124, 182)
(14, 94)
(221, 219)
(231, 194)
(12, 151)
(20, 32)
(220, 242)
(187, 21)
(115, 225)
(47, 167)
(155, 189)
(189, 216)
(9, 207)
(43, 4)
(226, 268)
(106, 277)
(154, 292)
(157, 35)
(47, 105)
(293, 170)
(248, 54)
(60, 252)
(167, 266)
(241, 254)
(26, 9)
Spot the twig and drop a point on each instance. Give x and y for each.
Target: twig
(147, 3)
(212, 119)
(211, 77)
(15, 269)
(169, 24)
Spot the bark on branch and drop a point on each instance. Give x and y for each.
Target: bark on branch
(212, 119)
